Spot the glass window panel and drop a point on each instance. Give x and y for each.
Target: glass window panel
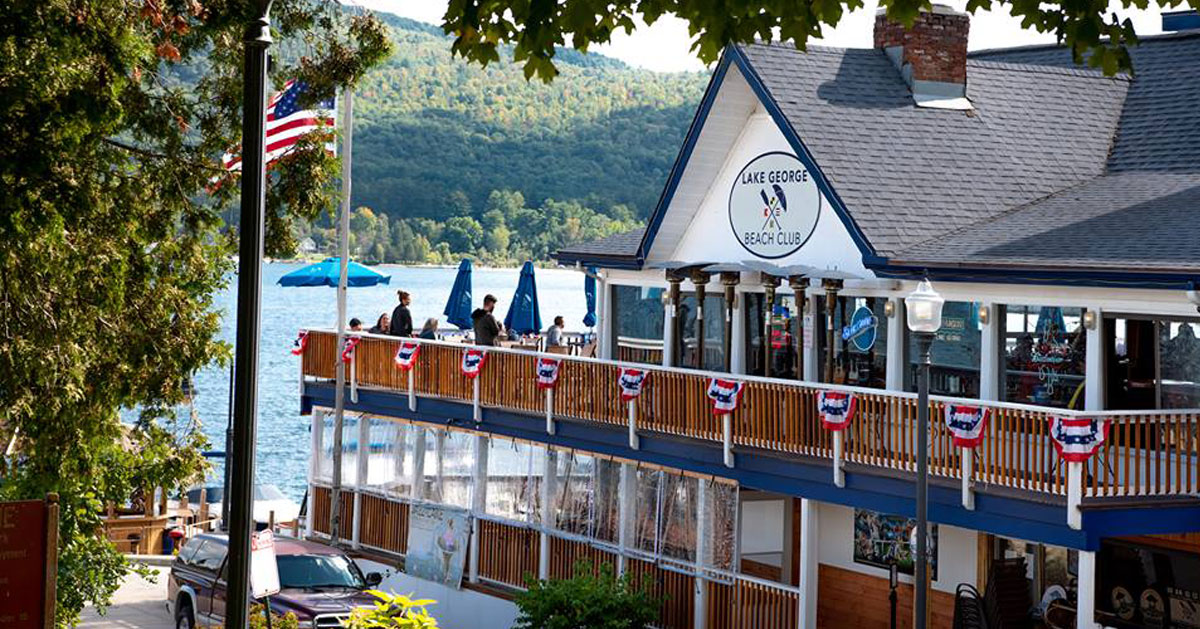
(575, 491)
(860, 342)
(721, 512)
(403, 454)
(714, 331)
(637, 314)
(382, 447)
(677, 533)
(1179, 343)
(325, 456)
(508, 480)
(606, 523)
(646, 510)
(458, 467)
(430, 486)
(537, 468)
(954, 355)
(782, 342)
(349, 448)
(1044, 355)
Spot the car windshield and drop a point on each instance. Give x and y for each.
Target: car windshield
(312, 571)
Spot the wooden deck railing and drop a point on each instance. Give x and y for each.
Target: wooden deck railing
(1147, 453)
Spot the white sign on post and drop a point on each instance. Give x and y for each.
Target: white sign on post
(264, 571)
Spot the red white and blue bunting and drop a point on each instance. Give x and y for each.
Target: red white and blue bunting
(725, 395)
(966, 424)
(472, 361)
(300, 344)
(631, 382)
(348, 346)
(836, 409)
(547, 372)
(1078, 439)
(406, 355)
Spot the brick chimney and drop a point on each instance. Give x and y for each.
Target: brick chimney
(931, 54)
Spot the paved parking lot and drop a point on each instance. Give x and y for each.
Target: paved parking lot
(139, 603)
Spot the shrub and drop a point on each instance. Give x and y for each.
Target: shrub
(393, 610)
(592, 599)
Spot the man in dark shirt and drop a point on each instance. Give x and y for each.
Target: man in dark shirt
(401, 318)
(486, 326)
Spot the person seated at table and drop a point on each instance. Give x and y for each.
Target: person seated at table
(429, 330)
(486, 328)
(355, 324)
(554, 333)
(382, 324)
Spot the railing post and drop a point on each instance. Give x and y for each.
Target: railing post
(626, 512)
(967, 470)
(550, 411)
(1085, 596)
(354, 377)
(634, 442)
(549, 481)
(478, 503)
(727, 438)
(810, 545)
(412, 390)
(1074, 494)
(839, 475)
(700, 602)
(477, 413)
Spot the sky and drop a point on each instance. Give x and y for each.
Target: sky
(664, 46)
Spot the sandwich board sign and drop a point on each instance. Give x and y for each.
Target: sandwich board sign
(264, 571)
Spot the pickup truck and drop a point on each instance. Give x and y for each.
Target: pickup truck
(319, 584)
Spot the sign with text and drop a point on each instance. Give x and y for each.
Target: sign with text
(773, 205)
(264, 570)
(437, 544)
(22, 564)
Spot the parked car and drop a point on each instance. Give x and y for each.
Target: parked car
(318, 583)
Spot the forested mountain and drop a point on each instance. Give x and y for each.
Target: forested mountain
(436, 138)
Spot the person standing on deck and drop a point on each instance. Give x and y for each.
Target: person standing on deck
(487, 329)
(554, 334)
(402, 324)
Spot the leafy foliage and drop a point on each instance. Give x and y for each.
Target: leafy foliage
(114, 113)
(258, 620)
(591, 598)
(537, 30)
(393, 610)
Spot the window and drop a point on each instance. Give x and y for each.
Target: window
(319, 571)
(574, 492)
(783, 342)
(209, 555)
(637, 315)
(714, 332)
(860, 342)
(509, 491)
(1044, 355)
(189, 550)
(954, 355)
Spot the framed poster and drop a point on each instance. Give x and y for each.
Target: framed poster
(881, 540)
(437, 544)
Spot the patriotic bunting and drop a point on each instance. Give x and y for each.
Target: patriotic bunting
(1078, 439)
(348, 346)
(836, 409)
(300, 344)
(725, 395)
(472, 361)
(966, 424)
(406, 355)
(631, 382)
(547, 372)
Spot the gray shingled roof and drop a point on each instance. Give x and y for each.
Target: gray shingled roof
(618, 245)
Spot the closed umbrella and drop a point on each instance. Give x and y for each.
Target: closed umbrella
(523, 315)
(326, 272)
(1047, 317)
(589, 295)
(458, 307)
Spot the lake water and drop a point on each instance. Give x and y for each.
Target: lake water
(283, 434)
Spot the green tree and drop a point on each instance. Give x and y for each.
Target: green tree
(537, 31)
(463, 234)
(590, 598)
(105, 167)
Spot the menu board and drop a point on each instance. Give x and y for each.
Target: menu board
(22, 564)
(1148, 586)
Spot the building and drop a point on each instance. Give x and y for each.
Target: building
(1050, 206)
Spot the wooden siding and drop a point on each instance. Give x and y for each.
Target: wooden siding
(855, 600)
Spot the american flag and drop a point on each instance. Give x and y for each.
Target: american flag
(286, 124)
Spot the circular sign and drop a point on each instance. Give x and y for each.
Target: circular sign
(773, 205)
(862, 329)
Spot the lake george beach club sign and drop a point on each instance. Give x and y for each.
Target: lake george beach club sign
(773, 205)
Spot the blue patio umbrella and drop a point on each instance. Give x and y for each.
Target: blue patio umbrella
(1049, 315)
(523, 316)
(326, 272)
(458, 307)
(589, 295)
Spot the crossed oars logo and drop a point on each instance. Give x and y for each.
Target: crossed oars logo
(774, 207)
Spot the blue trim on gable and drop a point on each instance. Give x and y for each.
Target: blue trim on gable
(1008, 515)
(1055, 277)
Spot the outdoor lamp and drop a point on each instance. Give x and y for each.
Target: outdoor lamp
(924, 307)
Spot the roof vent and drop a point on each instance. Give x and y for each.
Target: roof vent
(931, 55)
(1180, 20)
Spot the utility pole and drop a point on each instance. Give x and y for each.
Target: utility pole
(339, 402)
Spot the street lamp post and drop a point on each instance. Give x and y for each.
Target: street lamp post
(924, 309)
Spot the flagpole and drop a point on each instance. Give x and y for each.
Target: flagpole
(339, 406)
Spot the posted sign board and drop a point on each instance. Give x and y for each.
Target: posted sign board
(27, 529)
(264, 571)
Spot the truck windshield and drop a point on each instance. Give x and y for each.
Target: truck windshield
(315, 571)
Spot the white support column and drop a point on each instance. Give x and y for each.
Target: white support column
(314, 466)
(626, 511)
(737, 357)
(477, 412)
(550, 411)
(634, 442)
(360, 476)
(810, 548)
(1085, 601)
(896, 356)
(703, 552)
(811, 359)
(1074, 495)
(549, 488)
(727, 438)
(991, 353)
(839, 475)
(1093, 391)
(605, 332)
(412, 390)
(668, 331)
(478, 504)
